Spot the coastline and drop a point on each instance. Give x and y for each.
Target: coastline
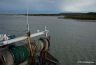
(81, 16)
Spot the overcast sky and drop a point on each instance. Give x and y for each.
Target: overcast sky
(47, 6)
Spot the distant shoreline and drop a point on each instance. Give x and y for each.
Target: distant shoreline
(81, 16)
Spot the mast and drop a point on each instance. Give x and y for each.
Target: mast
(28, 33)
(27, 20)
(29, 40)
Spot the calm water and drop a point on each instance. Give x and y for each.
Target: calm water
(71, 40)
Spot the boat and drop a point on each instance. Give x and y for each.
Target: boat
(30, 53)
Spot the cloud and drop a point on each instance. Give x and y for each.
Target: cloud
(77, 6)
(49, 5)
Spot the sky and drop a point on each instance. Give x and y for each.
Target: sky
(47, 6)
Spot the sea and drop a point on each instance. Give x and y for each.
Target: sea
(73, 42)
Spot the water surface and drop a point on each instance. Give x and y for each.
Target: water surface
(71, 40)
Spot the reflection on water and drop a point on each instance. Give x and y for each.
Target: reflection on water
(71, 40)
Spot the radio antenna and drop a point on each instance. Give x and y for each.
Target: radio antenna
(28, 28)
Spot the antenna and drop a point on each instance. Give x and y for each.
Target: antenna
(27, 20)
